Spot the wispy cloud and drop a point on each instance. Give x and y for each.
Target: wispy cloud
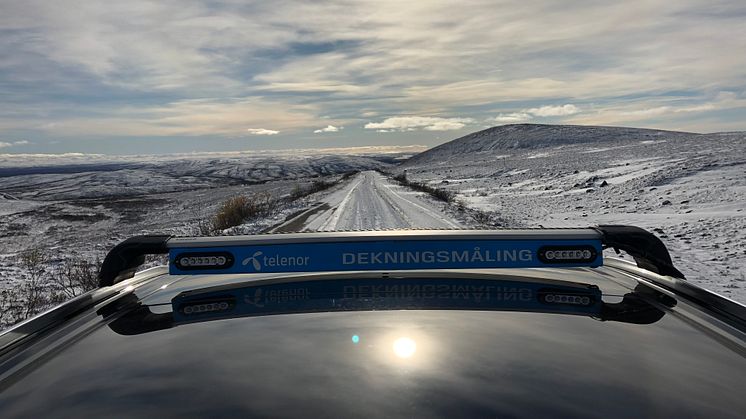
(328, 128)
(262, 131)
(510, 118)
(524, 115)
(662, 112)
(5, 144)
(208, 69)
(560, 110)
(413, 123)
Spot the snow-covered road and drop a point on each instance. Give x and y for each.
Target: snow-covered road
(370, 201)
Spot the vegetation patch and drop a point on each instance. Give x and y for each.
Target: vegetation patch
(45, 283)
(238, 210)
(437, 193)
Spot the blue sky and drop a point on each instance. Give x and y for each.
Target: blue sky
(180, 76)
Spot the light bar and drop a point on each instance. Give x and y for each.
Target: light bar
(387, 251)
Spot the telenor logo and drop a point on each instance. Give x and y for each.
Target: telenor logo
(254, 260)
(567, 254)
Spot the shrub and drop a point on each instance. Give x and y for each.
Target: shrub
(317, 186)
(320, 185)
(75, 277)
(484, 218)
(350, 174)
(437, 193)
(232, 212)
(32, 291)
(297, 192)
(441, 194)
(31, 296)
(239, 209)
(43, 287)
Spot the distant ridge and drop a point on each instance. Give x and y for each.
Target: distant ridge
(503, 138)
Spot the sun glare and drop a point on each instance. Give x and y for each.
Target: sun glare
(404, 347)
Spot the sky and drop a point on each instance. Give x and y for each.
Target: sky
(183, 76)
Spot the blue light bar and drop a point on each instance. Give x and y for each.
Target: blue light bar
(361, 252)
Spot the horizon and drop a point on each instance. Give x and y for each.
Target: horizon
(144, 78)
(370, 149)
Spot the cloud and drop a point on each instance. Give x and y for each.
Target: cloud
(215, 117)
(646, 113)
(329, 128)
(528, 114)
(206, 68)
(414, 123)
(511, 118)
(448, 125)
(697, 108)
(660, 112)
(4, 144)
(561, 110)
(262, 131)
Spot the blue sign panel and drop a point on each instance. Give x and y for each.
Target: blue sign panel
(386, 255)
(385, 294)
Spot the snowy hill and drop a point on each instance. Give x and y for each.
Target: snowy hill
(688, 188)
(131, 177)
(506, 138)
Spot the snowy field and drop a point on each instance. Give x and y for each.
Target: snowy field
(689, 189)
(78, 208)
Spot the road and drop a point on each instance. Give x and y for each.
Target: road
(369, 201)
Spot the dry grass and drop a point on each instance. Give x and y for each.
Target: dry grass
(240, 209)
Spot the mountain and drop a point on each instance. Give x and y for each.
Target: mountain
(508, 139)
(689, 189)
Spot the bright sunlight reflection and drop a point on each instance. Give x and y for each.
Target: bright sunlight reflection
(404, 347)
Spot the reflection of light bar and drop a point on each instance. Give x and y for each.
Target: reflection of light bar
(386, 294)
(567, 299)
(206, 307)
(321, 252)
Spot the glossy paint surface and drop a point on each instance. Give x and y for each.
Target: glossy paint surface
(403, 363)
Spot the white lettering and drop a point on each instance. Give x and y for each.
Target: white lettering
(477, 255)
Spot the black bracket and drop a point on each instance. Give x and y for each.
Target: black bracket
(648, 250)
(122, 261)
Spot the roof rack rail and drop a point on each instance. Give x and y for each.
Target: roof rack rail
(123, 260)
(648, 250)
(585, 245)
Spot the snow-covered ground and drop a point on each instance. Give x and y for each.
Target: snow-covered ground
(690, 189)
(80, 209)
(370, 201)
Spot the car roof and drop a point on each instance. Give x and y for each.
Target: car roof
(597, 338)
(466, 362)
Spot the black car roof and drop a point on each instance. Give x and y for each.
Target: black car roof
(613, 340)
(465, 363)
